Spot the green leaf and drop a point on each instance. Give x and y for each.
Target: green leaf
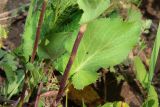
(142, 76)
(73, 24)
(53, 45)
(135, 1)
(56, 13)
(62, 13)
(146, 79)
(152, 99)
(2, 53)
(106, 43)
(9, 65)
(154, 55)
(3, 33)
(141, 73)
(91, 78)
(92, 9)
(48, 21)
(60, 7)
(134, 14)
(83, 104)
(36, 73)
(14, 87)
(41, 102)
(30, 29)
(14, 76)
(116, 104)
(108, 105)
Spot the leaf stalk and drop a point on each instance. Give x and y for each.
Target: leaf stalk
(69, 65)
(38, 32)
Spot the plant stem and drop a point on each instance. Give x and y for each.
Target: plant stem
(35, 47)
(20, 104)
(69, 65)
(38, 94)
(49, 93)
(67, 90)
(38, 30)
(38, 33)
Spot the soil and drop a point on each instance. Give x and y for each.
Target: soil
(13, 20)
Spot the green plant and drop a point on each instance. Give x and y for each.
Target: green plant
(14, 75)
(77, 38)
(146, 78)
(3, 35)
(115, 104)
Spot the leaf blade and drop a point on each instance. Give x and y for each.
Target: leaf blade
(92, 9)
(101, 47)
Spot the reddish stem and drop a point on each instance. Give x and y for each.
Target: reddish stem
(38, 30)
(35, 46)
(38, 33)
(38, 94)
(49, 94)
(69, 65)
